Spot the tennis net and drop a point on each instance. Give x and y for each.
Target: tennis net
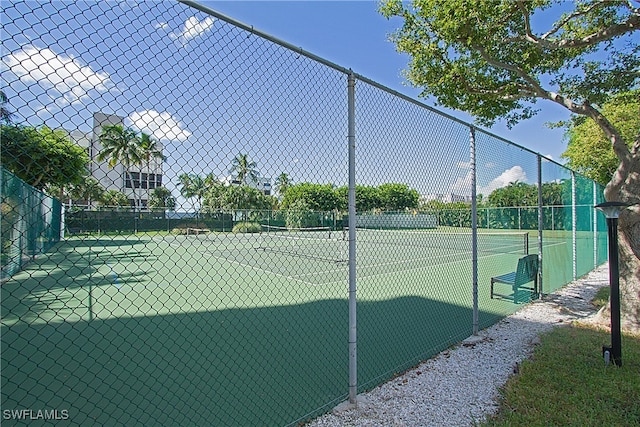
(490, 242)
(318, 243)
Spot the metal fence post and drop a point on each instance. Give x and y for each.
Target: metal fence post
(474, 228)
(540, 225)
(595, 226)
(353, 359)
(574, 223)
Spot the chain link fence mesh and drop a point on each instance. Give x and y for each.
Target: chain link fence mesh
(558, 230)
(197, 273)
(412, 269)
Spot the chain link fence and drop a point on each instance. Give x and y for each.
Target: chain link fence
(200, 268)
(31, 223)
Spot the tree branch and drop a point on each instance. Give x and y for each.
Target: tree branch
(632, 23)
(535, 86)
(574, 15)
(503, 93)
(620, 148)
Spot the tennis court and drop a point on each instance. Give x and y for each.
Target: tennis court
(100, 278)
(202, 315)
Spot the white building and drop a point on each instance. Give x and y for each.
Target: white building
(142, 179)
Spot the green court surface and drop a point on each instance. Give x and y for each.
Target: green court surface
(125, 329)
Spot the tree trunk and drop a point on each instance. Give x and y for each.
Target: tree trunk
(135, 197)
(625, 187)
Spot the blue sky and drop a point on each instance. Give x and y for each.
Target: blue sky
(209, 91)
(354, 35)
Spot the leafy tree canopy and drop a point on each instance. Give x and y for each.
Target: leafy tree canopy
(518, 194)
(244, 197)
(318, 197)
(162, 198)
(493, 59)
(367, 198)
(397, 197)
(324, 197)
(589, 151)
(42, 156)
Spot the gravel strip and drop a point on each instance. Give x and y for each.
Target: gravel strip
(460, 386)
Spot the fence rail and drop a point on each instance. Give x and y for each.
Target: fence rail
(203, 271)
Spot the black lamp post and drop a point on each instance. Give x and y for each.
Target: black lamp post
(612, 211)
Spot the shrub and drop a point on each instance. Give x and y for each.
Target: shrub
(247, 227)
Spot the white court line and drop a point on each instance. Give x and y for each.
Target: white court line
(298, 278)
(265, 271)
(423, 267)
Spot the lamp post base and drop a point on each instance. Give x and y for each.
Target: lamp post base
(607, 354)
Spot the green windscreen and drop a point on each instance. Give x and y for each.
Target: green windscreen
(31, 223)
(557, 234)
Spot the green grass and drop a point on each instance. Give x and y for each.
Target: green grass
(566, 383)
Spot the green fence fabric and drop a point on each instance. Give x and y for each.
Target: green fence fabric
(31, 223)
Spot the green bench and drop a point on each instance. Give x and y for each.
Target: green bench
(526, 272)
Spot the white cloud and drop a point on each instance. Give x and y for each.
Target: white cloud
(161, 26)
(161, 126)
(191, 29)
(513, 174)
(462, 185)
(464, 165)
(67, 77)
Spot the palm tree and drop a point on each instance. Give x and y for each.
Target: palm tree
(193, 185)
(89, 190)
(121, 145)
(242, 168)
(5, 114)
(150, 150)
(282, 183)
(214, 195)
(114, 199)
(162, 199)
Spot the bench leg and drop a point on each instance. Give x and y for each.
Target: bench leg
(492, 288)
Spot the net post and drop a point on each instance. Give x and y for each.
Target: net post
(351, 137)
(474, 227)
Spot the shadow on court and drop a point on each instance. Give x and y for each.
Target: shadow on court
(61, 279)
(257, 366)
